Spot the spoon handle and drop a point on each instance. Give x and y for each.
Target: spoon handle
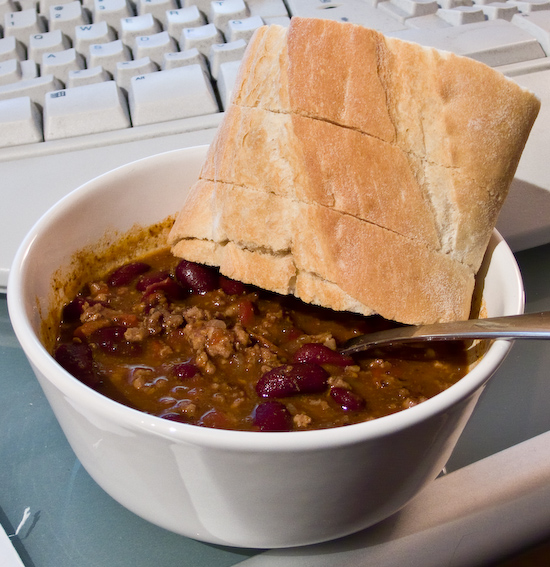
(527, 326)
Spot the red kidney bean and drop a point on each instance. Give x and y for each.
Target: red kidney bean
(174, 417)
(149, 279)
(125, 274)
(245, 311)
(77, 359)
(347, 400)
(74, 309)
(171, 289)
(111, 340)
(291, 379)
(272, 416)
(232, 287)
(215, 419)
(185, 370)
(318, 353)
(196, 278)
(277, 383)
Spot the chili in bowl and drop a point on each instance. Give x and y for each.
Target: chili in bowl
(178, 340)
(223, 481)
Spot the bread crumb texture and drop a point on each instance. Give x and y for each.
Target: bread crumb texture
(357, 172)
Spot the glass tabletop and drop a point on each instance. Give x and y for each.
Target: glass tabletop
(62, 517)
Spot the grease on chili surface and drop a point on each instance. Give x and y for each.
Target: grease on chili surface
(179, 341)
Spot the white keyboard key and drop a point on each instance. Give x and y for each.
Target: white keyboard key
(177, 20)
(154, 46)
(87, 76)
(20, 122)
(528, 6)
(243, 29)
(226, 81)
(283, 21)
(29, 69)
(11, 48)
(538, 25)
(494, 42)
(65, 17)
(107, 55)
(23, 24)
(45, 5)
(89, 109)
(202, 5)
(24, 4)
(35, 88)
(90, 34)
(462, 15)
(46, 42)
(170, 95)
(404, 9)
(201, 38)
(499, 11)
(157, 8)
(5, 8)
(267, 8)
(430, 22)
(10, 71)
(225, 10)
(177, 59)
(130, 28)
(112, 12)
(60, 63)
(224, 52)
(126, 70)
(363, 12)
(449, 4)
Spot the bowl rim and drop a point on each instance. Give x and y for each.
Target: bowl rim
(44, 364)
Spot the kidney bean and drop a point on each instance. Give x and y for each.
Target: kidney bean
(272, 416)
(245, 311)
(74, 309)
(111, 340)
(232, 287)
(174, 417)
(318, 353)
(347, 400)
(125, 274)
(77, 359)
(291, 379)
(214, 418)
(196, 278)
(185, 370)
(171, 289)
(277, 383)
(149, 279)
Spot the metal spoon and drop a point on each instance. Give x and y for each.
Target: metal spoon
(528, 326)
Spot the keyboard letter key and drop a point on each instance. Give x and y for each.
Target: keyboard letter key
(170, 95)
(87, 109)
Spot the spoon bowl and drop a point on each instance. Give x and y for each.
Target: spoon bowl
(526, 326)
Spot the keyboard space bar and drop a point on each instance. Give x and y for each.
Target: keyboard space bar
(493, 42)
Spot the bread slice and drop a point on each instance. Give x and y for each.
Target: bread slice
(358, 172)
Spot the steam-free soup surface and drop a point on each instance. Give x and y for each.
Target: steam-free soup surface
(179, 341)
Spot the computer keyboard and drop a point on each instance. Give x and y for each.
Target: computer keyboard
(86, 86)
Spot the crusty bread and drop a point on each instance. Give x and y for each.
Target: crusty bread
(365, 178)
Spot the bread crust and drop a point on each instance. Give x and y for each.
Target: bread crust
(321, 255)
(367, 181)
(315, 161)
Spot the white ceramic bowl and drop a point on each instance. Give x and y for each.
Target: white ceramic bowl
(228, 487)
